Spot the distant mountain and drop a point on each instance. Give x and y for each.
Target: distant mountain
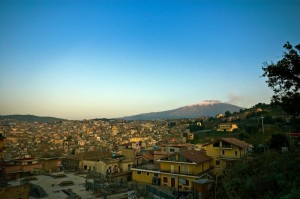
(30, 118)
(206, 108)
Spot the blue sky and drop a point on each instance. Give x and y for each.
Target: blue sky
(92, 59)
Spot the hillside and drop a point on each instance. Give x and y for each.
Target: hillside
(30, 118)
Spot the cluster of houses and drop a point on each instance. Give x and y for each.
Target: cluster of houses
(176, 166)
(151, 153)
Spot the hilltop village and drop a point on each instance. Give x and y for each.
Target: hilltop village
(104, 158)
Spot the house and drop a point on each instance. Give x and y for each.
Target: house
(144, 158)
(176, 170)
(180, 169)
(227, 127)
(74, 162)
(148, 173)
(19, 168)
(50, 165)
(174, 148)
(225, 150)
(116, 168)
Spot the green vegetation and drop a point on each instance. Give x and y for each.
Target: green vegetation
(256, 125)
(270, 175)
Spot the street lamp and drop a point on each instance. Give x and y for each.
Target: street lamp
(262, 124)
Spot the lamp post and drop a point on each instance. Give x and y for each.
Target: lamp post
(262, 124)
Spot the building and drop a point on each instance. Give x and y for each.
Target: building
(75, 162)
(225, 150)
(115, 168)
(50, 165)
(180, 169)
(20, 168)
(176, 170)
(227, 127)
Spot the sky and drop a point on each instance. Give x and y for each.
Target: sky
(112, 58)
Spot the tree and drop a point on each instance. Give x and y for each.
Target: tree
(228, 114)
(277, 141)
(270, 175)
(284, 79)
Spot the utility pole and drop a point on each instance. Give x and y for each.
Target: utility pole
(262, 124)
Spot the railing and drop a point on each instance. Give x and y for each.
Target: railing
(145, 168)
(191, 173)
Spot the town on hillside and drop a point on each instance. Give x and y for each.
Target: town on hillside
(103, 158)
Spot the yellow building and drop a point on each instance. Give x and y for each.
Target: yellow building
(224, 150)
(227, 127)
(148, 174)
(176, 170)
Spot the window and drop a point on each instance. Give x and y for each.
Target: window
(226, 145)
(184, 181)
(139, 172)
(165, 179)
(223, 152)
(187, 183)
(172, 168)
(156, 174)
(181, 159)
(186, 169)
(218, 162)
(217, 144)
(172, 158)
(148, 173)
(85, 167)
(172, 150)
(235, 153)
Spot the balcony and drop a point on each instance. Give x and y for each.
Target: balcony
(189, 173)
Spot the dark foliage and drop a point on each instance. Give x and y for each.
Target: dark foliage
(284, 79)
(277, 141)
(271, 175)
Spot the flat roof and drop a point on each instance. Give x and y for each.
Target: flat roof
(54, 190)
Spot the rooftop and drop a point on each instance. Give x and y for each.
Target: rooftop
(54, 190)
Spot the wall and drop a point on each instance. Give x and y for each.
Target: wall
(145, 176)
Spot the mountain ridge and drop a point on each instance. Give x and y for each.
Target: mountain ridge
(30, 118)
(207, 108)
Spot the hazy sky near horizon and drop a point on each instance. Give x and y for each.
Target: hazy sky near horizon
(112, 58)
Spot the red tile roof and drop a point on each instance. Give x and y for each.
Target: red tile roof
(195, 156)
(233, 141)
(147, 156)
